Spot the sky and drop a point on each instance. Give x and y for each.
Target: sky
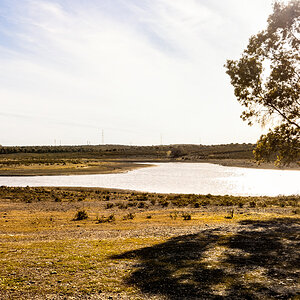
(137, 72)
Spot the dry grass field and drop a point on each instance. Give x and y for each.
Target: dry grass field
(131, 245)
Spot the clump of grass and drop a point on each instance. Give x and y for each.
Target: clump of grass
(57, 199)
(186, 216)
(164, 203)
(174, 215)
(205, 202)
(109, 205)
(129, 216)
(142, 205)
(226, 202)
(131, 203)
(108, 219)
(122, 205)
(149, 217)
(230, 214)
(80, 215)
(252, 204)
(142, 197)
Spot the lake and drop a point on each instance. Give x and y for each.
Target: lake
(186, 178)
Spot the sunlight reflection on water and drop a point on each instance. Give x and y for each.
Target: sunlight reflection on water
(187, 178)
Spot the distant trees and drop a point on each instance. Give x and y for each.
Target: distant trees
(266, 81)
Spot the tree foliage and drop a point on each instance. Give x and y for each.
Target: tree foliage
(266, 81)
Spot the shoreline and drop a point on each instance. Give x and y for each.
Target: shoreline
(109, 168)
(123, 166)
(244, 163)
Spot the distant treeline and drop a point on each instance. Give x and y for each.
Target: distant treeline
(183, 151)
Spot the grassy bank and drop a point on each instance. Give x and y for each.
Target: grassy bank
(73, 160)
(98, 243)
(64, 167)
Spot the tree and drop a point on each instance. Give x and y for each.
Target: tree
(266, 81)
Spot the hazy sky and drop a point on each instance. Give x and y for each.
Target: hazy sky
(137, 69)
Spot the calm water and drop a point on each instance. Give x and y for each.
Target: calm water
(187, 178)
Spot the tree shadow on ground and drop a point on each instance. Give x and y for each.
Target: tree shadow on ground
(259, 261)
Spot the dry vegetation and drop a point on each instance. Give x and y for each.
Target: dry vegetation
(67, 160)
(130, 245)
(72, 160)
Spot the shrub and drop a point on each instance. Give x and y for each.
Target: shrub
(80, 215)
(226, 202)
(142, 205)
(252, 204)
(186, 216)
(142, 197)
(132, 203)
(57, 199)
(122, 205)
(129, 216)
(205, 202)
(153, 201)
(109, 219)
(164, 203)
(173, 216)
(296, 211)
(109, 205)
(230, 214)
